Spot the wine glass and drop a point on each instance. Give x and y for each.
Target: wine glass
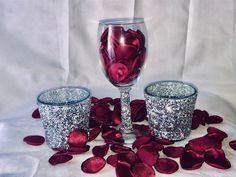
(123, 49)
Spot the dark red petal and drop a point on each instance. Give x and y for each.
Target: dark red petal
(100, 151)
(94, 99)
(220, 135)
(116, 114)
(202, 143)
(59, 158)
(164, 141)
(77, 137)
(119, 148)
(196, 121)
(106, 100)
(138, 110)
(232, 144)
(216, 158)
(78, 150)
(157, 146)
(36, 114)
(148, 154)
(202, 115)
(191, 160)
(115, 101)
(129, 157)
(102, 113)
(141, 130)
(142, 170)
(93, 164)
(141, 141)
(126, 51)
(166, 166)
(94, 133)
(104, 35)
(112, 135)
(59, 149)
(214, 119)
(34, 140)
(173, 152)
(112, 160)
(93, 123)
(123, 169)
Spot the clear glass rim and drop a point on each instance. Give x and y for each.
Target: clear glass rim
(121, 21)
(63, 103)
(173, 97)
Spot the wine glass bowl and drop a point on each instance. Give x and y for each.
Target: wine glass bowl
(123, 50)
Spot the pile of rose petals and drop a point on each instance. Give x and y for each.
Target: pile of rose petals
(143, 157)
(122, 54)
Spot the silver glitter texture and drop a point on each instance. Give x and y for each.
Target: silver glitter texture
(63, 110)
(126, 126)
(170, 105)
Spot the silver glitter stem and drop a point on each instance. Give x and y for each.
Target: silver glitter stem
(126, 126)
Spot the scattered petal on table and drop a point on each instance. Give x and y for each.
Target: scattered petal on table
(148, 154)
(59, 158)
(174, 152)
(78, 137)
(93, 164)
(166, 166)
(100, 151)
(141, 141)
(191, 160)
(94, 133)
(36, 114)
(216, 158)
(34, 140)
(142, 170)
(119, 148)
(232, 144)
(112, 160)
(214, 119)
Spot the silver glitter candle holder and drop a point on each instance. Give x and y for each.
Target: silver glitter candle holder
(170, 105)
(63, 109)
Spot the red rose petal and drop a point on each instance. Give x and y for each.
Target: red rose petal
(196, 121)
(129, 157)
(166, 166)
(59, 158)
(93, 123)
(78, 137)
(112, 135)
(126, 51)
(117, 72)
(141, 141)
(112, 160)
(94, 99)
(232, 144)
(78, 150)
(157, 146)
(100, 151)
(214, 119)
(141, 130)
(34, 140)
(202, 115)
(102, 113)
(104, 35)
(142, 170)
(106, 100)
(191, 160)
(173, 152)
(123, 169)
(202, 143)
(138, 110)
(148, 154)
(93, 133)
(216, 158)
(116, 114)
(219, 134)
(93, 164)
(164, 141)
(115, 101)
(36, 114)
(119, 148)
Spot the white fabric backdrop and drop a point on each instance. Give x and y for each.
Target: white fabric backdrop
(48, 43)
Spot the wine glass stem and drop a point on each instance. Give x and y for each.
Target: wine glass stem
(126, 126)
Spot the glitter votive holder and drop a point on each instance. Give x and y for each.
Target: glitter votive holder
(170, 106)
(63, 109)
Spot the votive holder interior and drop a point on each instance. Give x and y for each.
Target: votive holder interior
(63, 109)
(170, 106)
